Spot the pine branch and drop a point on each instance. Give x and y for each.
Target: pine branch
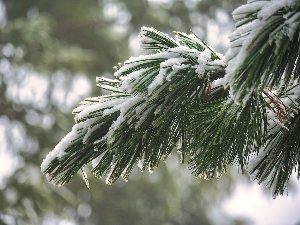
(84, 143)
(264, 47)
(147, 114)
(227, 135)
(281, 153)
(180, 98)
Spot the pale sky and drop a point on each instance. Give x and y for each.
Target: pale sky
(253, 202)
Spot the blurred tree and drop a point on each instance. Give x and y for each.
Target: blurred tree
(50, 54)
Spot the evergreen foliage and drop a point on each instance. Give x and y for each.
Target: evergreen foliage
(240, 109)
(49, 54)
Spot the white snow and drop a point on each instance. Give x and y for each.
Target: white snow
(112, 167)
(159, 79)
(250, 7)
(246, 34)
(103, 104)
(96, 161)
(58, 151)
(104, 79)
(140, 163)
(109, 88)
(192, 37)
(219, 82)
(130, 80)
(90, 129)
(175, 68)
(203, 58)
(146, 41)
(136, 61)
(273, 6)
(293, 24)
(185, 49)
(124, 107)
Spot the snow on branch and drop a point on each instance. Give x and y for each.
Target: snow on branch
(266, 33)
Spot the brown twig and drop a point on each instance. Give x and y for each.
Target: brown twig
(281, 108)
(142, 137)
(85, 179)
(207, 96)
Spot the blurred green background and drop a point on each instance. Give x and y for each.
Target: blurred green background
(50, 54)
